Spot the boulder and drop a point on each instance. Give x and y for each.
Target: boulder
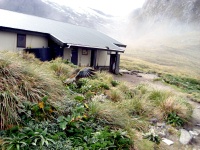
(185, 137)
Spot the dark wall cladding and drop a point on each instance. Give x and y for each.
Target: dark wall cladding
(44, 54)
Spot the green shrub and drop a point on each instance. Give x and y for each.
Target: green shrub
(15, 142)
(174, 119)
(79, 98)
(183, 82)
(28, 138)
(114, 83)
(104, 86)
(89, 95)
(86, 132)
(40, 111)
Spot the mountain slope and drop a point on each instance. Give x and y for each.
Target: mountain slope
(43, 8)
(172, 12)
(167, 33)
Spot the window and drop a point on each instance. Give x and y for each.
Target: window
(21, 40)
(84, 52)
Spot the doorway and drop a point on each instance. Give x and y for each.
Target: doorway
(74, 56)
(93, 58)
(114, 63)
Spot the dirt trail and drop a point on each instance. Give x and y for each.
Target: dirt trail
(194, 125)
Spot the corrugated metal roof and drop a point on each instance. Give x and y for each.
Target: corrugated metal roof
(64, 32)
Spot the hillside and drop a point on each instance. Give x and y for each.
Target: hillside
(87, 17)
(171, 13)
(167, 33)
(113, 114)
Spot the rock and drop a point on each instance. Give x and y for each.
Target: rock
(167, 141)
(153, 120)
(136, 71)
(121, 71)
(197, 130)
(198, 125)
(185, 137)
(162, 133)
(161, 125)
(194, 133)
(139, 76)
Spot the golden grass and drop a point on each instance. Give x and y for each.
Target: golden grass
(174, 104)
(134, 112)
(167, 52)
(22, 80)
(134, 63)
(61, 69)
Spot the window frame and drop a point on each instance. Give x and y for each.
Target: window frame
(21, 43)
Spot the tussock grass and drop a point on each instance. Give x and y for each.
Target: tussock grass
(112, 114)
(105, 77)
(116, 95)
(133, 112)
(174, 104)
(23, 80)
(61, 68)
(136, 107)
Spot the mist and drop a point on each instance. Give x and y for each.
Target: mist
(165, 37)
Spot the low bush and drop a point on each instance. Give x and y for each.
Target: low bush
(189, 85)
(114, 83)
(77, 130)
(174, 119)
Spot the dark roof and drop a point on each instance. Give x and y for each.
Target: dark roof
(64, 32)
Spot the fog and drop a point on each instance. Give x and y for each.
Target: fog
(167, 43)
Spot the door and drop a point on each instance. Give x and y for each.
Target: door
(114, 63)
(74, 56)
(93, 58)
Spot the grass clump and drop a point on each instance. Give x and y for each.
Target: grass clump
(115, 96)
(114, 83)
(60, 68)
(21, 81)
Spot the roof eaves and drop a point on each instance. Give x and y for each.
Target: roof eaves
(96, 47)
(57, 40)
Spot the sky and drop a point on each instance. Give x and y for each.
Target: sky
(113, 7)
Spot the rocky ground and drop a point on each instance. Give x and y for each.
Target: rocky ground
(186, 138)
